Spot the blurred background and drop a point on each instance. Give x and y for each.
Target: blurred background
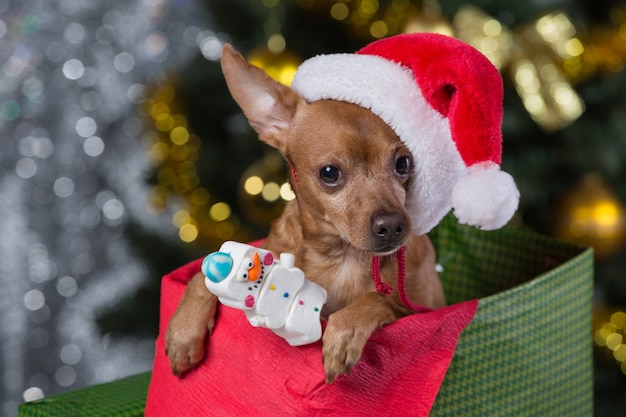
(122, 156)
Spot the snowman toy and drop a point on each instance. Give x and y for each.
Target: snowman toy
(272, 293)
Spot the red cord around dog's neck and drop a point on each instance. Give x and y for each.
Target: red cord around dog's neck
(386, 289)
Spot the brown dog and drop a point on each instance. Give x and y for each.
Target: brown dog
(350, 173)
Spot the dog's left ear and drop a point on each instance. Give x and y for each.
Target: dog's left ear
(269, 106)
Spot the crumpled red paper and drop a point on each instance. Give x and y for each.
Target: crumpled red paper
(252, 372)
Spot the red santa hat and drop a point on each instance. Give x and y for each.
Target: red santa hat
(443, 99)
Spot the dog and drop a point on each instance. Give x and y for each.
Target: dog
(350, 173)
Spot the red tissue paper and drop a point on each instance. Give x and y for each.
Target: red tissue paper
(253, 372)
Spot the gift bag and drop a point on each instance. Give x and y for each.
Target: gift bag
(515, 340)
(122, 398)
(528, 350)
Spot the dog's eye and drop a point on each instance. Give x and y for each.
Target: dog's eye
(403, 166)
(330, 175)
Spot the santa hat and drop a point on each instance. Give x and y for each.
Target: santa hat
(443, 99)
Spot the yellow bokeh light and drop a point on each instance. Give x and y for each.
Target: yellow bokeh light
(379, 29)
(368, 7)
(253, 185)
(489, 45)
(271, 192)
(525, 75)
(610, 335)
(219, 211)
(534, 103)
(613, 341)
(159, 151)
(600, 336)
(286, 192)
(619, 353)
(280, 66)
(180, 218)
(158, 109)
(606, 213)
(339, 11)
(188, 233)
(574, 47)
(276, 43)
(618, 319)
(179, 135)
(285, 76)
(492, 28)
(164, 122)
(549, 72)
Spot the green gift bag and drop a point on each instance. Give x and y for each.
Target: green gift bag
(123, 398)
(528, 350)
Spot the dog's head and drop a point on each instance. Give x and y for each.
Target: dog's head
(349, 169)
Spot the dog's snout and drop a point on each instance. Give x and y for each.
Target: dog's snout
(388, 228)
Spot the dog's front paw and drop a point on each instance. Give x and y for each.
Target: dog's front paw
(187, 330)
(184, 344)
(342, 346)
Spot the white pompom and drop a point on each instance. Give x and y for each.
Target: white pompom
(486, 197)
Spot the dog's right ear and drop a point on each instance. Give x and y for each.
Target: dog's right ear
(268, 105)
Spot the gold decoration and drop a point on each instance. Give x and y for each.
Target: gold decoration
(428, 19)
(366, 18)
(263, 189)
(579, 52)
(592, 215)
(543, 58)
(604, 49)
(274, 57)
(173, 151)
(279, 63)
(533, 56)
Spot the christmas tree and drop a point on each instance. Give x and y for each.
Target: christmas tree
(562, 63)
(148, 162)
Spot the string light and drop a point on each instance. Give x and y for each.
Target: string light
(173, 149)
(611, 335)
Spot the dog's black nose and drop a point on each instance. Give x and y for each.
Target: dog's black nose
(388, 228)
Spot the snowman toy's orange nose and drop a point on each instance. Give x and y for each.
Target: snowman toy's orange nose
(254, 273)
